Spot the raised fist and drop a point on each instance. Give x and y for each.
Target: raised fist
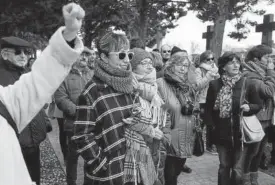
(73, 15)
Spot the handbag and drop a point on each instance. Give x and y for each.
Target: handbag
(252, 130)
(198, 149)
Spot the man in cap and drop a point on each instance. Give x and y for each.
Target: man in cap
(13, 59)
(20, 102)
(13, 63)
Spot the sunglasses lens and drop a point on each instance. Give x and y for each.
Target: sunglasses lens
(130, 55)
(209, 59)
(166, 51)
(18, 51)
(121, 56)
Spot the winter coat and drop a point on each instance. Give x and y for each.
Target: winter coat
(26, 97)
(182, 131)
(67, 95)
(266, 88)
(9, 74)
(227, 132)
(202, 83)
(99, 131)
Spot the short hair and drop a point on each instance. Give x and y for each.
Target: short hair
(112, 42)
(225, 58)
(205, 55)
(165, 45)
(258, 52)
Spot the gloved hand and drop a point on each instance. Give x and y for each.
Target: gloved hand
(73, 15)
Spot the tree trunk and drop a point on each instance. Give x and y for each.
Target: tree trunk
(143, 20)
(219, 25)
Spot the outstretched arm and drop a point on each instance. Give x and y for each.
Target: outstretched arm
(29, 94)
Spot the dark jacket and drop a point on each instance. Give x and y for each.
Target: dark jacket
(227, 130)
(266, 90)
(36, 130)
(67, 94)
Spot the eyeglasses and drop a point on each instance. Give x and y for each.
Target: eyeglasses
(166, 51)
(209, 59)
(146, 63)
(19, 51)
(122, 55)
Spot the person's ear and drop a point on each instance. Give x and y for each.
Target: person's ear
(104, 57)
(4, 54)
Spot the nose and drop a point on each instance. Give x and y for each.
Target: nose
(22, 54)
(126, 59)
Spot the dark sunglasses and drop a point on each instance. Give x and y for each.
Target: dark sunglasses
(122, 55)
(166, 51)
(18, 51)
(209, 59)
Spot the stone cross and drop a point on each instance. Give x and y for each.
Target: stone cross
(266, 28)
(209, 37)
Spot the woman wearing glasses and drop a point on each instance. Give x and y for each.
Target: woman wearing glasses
(180, 99)
(105, 101)
(149, 131)
(206, 71)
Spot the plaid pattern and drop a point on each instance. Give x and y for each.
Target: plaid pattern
(99, 131)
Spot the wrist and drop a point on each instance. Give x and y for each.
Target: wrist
(69, 36)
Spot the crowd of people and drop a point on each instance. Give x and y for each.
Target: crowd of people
(132, 114)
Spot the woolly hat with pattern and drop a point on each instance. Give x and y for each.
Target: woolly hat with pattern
(139, 55)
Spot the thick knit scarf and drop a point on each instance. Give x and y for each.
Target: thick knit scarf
(224, 97)
(139, 165)
(120, 80)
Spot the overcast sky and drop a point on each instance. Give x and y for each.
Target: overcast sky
(190, 30)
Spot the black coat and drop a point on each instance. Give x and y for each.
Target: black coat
(227, 130)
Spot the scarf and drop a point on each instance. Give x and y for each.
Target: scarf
(258, 67)
(147, 85)
(139, 165)
(224, 97)
(183, 90)
(120, 80)
(212, 68)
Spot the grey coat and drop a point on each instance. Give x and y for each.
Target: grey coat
(182, 132)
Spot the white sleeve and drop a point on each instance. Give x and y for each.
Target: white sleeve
(27, 96)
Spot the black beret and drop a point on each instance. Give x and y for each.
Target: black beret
(176, 49)
(11, 42)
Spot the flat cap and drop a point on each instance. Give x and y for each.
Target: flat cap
(12, 41)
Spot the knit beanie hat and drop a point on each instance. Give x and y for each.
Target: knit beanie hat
(176, 49)
(139, 55)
